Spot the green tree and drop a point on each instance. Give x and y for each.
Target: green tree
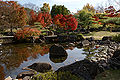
(45, 8)
(59, 9)
(84, 19)
(89, 8)
(113, 20)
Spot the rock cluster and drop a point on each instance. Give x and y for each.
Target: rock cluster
(34, 68)
(85, 68)
(109, 57)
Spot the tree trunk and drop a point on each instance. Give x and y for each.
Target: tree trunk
(111, 29)
(11, 29)
(88, 27)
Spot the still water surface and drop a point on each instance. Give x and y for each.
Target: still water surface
(16, 56)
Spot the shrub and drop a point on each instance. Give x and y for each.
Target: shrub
(80, 37)
(116, 38)
(56, 76)
(26, 32)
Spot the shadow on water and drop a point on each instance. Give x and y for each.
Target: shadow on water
(57, 59)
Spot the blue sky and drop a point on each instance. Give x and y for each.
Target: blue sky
(72, 5)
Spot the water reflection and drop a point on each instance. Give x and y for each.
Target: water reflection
(2, 75)
(57, 59)
(92, 51)
(16, 56)
(13, 55)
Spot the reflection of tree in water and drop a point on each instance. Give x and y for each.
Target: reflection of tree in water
(2, 75)
(92, 51)
(13, 55)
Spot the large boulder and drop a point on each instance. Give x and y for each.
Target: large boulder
(85, 68)
(114, 61)
(57, 50)
(116, 54)
(107, 38)
(39, 67)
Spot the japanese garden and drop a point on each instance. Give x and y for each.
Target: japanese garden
(50, 42)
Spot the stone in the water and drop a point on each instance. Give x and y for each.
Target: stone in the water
(71, 44)
(39, 67)
(57, 50)
(85, 43)
(27, 78)
(8, 78)
(23, 74)
(76, 60)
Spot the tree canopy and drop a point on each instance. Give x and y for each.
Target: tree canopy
(84, 18)
(12, 14)
(66, 22)
(45, 8)
(44, 18)
(59, 9)
(89, 8)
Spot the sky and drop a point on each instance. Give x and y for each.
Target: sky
(72, 5)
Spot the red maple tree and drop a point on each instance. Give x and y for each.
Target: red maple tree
(68, 22)
(27, 32)
(43, 17)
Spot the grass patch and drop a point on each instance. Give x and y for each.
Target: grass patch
(109, 75)
(116, 38)
(99, 35)
(56, 76)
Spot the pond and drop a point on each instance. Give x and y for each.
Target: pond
(13, 57)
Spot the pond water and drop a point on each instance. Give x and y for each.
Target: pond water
(13, 57)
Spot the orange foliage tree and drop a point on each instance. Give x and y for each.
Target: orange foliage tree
(43, 17)
(26, 32)
(12, 15)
